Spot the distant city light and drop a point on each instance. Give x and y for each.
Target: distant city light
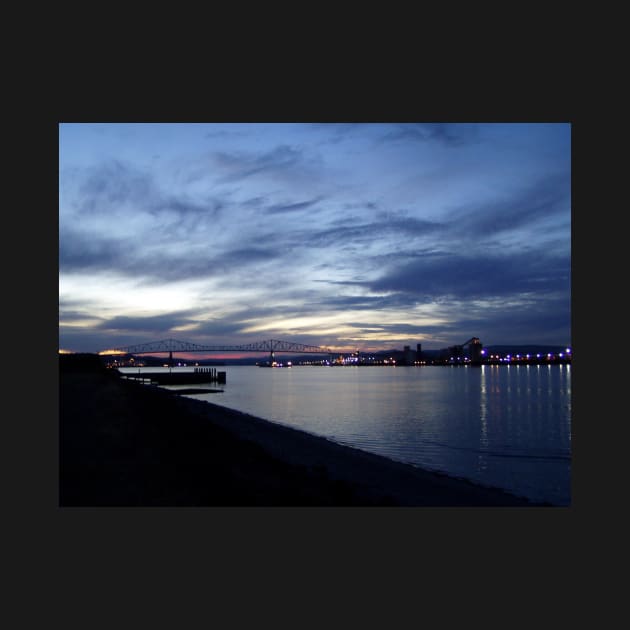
(568, 350)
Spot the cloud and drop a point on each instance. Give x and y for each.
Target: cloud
(80, 251)
(154, 324)
(226, 135)
(114, 184)
(210, 209)
(187, 325)
(466, 277)
(123, 191)
(219, 329)
(67, 317)
(292, 207)
(240, 165)
(356, 233)
(402, 329)
(246, 256)
(158, 267)
(447, 134)
(351, 301)
(334, 133)
(119, 221)
(543, 200)
(543, 320)
(88, 252)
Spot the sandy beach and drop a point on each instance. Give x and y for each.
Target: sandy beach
(127, 444)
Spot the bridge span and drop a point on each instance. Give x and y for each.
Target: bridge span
(271, 346)
(172, 345)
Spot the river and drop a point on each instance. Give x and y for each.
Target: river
(501, 426)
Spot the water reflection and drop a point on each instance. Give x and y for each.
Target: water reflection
(483, 416)
(495, 425)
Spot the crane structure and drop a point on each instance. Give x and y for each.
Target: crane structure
(475, 348)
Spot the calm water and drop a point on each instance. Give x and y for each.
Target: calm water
(507, 427)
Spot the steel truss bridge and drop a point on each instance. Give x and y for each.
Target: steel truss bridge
(172, 345)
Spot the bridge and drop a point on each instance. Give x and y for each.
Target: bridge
(474, 345)
(172, 345)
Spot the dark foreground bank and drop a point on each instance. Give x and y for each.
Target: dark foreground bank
(127, 444)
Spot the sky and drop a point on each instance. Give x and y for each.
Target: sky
(348, 236)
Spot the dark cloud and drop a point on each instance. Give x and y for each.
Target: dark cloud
(155, 324)
(351, 302)
(292, 207)
(357, 233)
(544, 320)
(338, 132)
(538, 321)
(159, 267)
(219, 329)
(542, 200)
(402, 329)
(225, 135)
(138, 329)
(244, 165)
(114, 185)
(84, 252)
(74, 316)
(93, 340)
(254, 202)
(246, 256)
(514, 273)
(70, 304)
(210, 209)
(448, 134)
(369, 205)
(364, 302)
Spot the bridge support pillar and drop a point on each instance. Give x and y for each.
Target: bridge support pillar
(170, 358)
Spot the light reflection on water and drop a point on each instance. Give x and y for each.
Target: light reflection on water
(502, 426)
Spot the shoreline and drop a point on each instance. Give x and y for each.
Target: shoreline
(124, 443)
(344, 461)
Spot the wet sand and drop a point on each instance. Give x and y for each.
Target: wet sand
(127, 444)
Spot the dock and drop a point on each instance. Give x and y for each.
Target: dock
(199, 375)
